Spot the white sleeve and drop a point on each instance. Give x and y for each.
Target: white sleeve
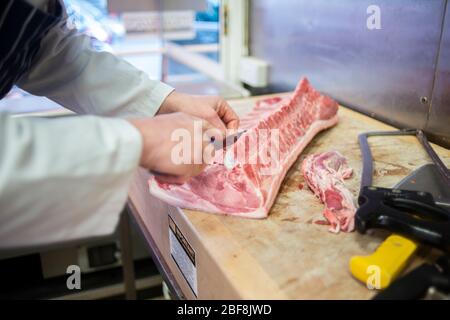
(67, 70)
(63, 179)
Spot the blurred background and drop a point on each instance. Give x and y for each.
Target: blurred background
(177, 42)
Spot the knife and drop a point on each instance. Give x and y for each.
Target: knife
(228, 141)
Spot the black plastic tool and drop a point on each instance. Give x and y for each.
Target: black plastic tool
(410, 213)
(416, 283)
(413, 214)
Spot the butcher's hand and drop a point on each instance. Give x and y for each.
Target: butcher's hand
(161, 136)
(213, 109)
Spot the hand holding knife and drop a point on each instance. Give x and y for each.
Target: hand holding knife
(228, 141)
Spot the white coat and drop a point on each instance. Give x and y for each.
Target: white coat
(67, 178)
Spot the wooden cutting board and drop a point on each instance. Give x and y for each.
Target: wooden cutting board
(288, 256)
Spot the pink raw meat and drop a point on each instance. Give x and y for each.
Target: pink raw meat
(325, 174)
(249, 189)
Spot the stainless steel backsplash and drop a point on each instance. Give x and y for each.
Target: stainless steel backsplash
(399, 73)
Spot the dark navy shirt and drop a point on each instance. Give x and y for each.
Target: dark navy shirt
(22, 27)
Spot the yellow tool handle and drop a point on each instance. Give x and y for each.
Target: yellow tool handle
(378, 270)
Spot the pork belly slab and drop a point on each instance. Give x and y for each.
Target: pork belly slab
(249, 189)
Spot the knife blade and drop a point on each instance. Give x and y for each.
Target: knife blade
(228, 141)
